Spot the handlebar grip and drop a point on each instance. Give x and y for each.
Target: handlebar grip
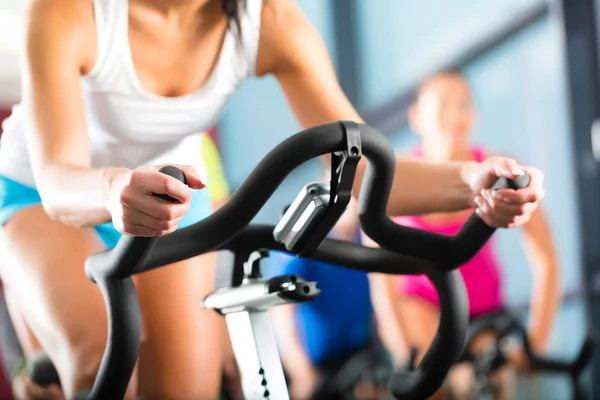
(41, 370)
(517, 183)
(175, 173)
(475, 233)
(123, 260)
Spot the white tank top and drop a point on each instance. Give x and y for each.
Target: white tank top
(129, 127)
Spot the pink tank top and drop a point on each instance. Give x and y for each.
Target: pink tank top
(481, 274)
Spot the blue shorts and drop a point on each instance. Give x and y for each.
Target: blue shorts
(15, 196)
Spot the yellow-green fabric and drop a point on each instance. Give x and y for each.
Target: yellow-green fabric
(217, 184)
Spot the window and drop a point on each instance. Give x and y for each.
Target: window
(400, 41)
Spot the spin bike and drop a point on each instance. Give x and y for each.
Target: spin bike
(503, 326)
(302, 231)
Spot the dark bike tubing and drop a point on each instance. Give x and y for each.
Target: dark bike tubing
(134, 255)
(505, 323)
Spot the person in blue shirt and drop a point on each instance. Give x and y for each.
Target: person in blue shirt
(316, 337)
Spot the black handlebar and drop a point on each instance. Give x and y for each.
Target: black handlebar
(445, 251)
(422, 252)
(449, 251)
(504, 324)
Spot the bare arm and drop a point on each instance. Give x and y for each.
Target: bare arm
(59, 48)
(311, 87)
(545, 297)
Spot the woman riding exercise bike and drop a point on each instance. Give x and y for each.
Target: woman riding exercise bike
(110, 91)
(443, 116)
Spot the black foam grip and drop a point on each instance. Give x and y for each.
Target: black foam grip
(121, 261)
(517, 183)
(475, 233)
(175, 173)
(41, 370)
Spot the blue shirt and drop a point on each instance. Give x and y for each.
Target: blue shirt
(340, 319)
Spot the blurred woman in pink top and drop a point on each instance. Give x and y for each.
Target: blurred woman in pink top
(482, 274)
(443, 116)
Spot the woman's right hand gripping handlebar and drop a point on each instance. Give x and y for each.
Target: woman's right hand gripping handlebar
(137, 207)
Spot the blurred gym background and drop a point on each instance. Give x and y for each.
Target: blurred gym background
(533, 65)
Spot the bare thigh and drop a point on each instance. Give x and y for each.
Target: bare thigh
(420, 320)
(182, 349)
(181, 352)
(43, 271)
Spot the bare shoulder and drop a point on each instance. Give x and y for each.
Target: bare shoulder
(61, 15)
(285, 34)
(66, 27)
